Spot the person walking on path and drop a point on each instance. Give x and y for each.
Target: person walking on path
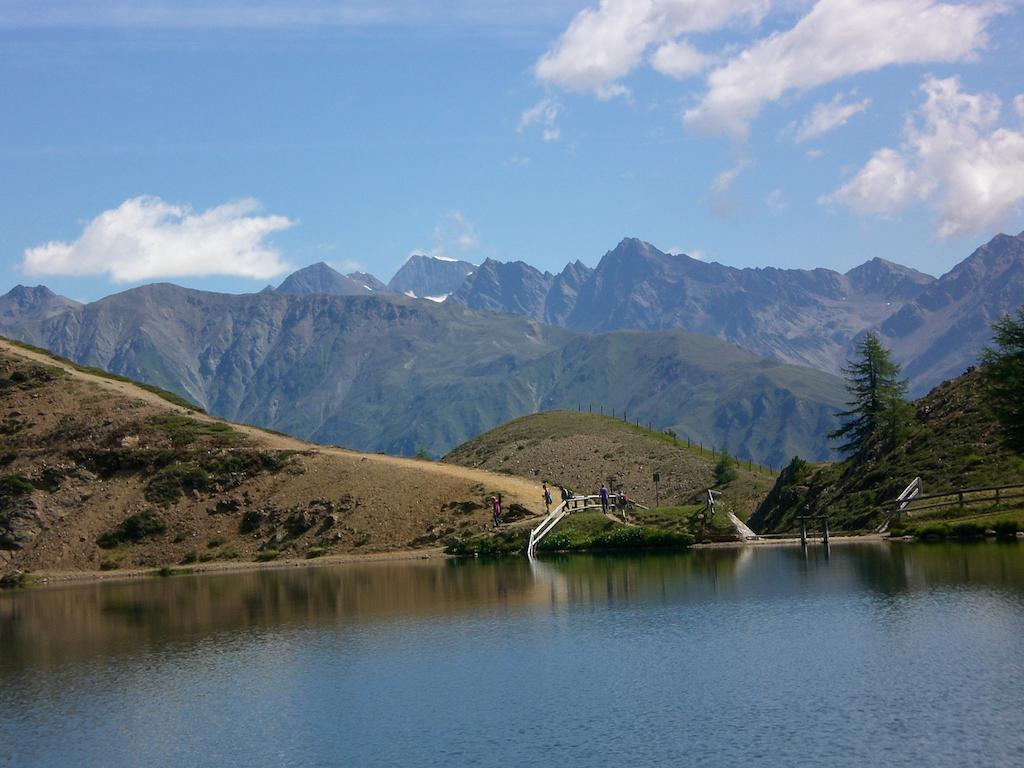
(547, 499)
(604, 499)
(496, 510)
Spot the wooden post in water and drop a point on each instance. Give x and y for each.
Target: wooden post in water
(824, 523)
(803, 531)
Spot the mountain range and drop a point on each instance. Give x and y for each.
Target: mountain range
(700, 348)
(935, 327)
(390, 373)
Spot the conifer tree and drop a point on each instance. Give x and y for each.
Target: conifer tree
(878, 411)
(1002, 367)
(725, 470)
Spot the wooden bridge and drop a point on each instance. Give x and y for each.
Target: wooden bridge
(575, 504)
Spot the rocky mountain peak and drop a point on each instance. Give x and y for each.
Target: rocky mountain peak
(25, 302)
(322, 278)
(887, 280)
(430, 276)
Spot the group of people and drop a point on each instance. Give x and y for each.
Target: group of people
(568, 495)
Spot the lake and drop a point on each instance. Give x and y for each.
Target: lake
(867, 654)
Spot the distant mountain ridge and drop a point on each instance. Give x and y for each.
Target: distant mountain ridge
(938, 334)
(935, 326)
(336, 358)
(321, 278)
(804, 317)
(24, 303)
(430, 277)
(386, 372)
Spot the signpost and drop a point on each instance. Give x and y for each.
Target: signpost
(657, 495)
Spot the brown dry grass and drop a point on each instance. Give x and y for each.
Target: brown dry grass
(358, 502)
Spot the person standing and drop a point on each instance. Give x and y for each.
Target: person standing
(604, 499)
(547, 499)
(496, 510)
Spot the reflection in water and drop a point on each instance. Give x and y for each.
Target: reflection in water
(53, 625)
(707, 657)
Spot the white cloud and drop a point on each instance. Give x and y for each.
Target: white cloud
(954, 157)
(1018, 105)
(883, 186)
(146, 238)
(721, 202)
(679, 60)
(814, 154)
(723, 182)
(604, 44)
(774, 201)
(837, 38)
(826, 116)
(545, 114)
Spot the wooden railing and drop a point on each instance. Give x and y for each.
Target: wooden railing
(993, 494)
(573, 504)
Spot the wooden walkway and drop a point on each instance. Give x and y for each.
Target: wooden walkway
(575, 504)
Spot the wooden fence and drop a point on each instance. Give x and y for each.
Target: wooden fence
(993, 494)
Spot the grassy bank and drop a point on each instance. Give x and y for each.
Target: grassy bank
(665, 528)
(1002, 523)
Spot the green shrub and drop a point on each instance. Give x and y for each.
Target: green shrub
(313, 552)
(13, 580)
(13, 486)
(1007, 528)
(134, 528)
(172, 482)
(616, 538)
(267, 555)
(109, 565)
(933, 531)
(725, 470)
(190, 557)
(967, 530)
(215, 542)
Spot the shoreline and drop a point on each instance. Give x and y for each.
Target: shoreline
(794, 541)
(57, 578)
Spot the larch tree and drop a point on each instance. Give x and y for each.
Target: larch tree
(878, 411)
(1002, 368)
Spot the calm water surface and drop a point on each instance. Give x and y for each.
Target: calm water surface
(868, 655)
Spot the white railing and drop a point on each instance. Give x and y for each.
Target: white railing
(911, 492)
(545, 526)
(574, 504)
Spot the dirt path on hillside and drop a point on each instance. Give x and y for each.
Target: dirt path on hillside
(515, 489)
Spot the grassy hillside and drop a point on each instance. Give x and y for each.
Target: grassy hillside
(954, 443)
(583, 450)
(97, 473)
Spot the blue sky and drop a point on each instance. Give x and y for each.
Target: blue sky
(221, 144)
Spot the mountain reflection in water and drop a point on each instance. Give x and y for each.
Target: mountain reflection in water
(864, 654)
